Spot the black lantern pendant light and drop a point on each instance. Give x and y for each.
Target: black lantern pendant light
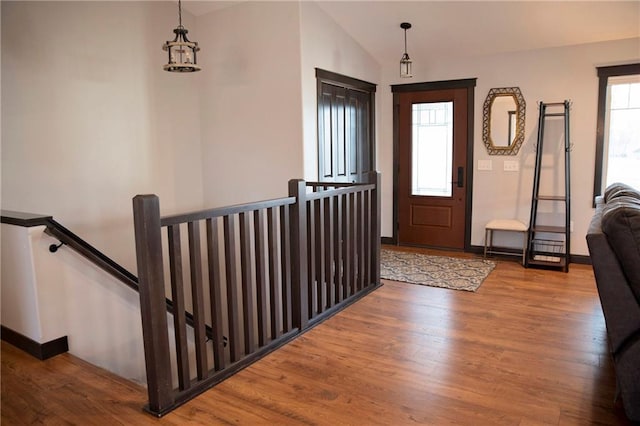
(182, 52)
(405, 62)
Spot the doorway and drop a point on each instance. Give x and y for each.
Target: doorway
(433, 158)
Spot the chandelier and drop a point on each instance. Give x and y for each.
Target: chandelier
(181, 51)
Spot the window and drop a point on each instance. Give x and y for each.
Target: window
(618, 129)
(432, 149)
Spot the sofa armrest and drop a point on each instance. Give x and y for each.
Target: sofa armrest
(628, 380)
(619, 305)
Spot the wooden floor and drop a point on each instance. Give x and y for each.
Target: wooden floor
(528, 348)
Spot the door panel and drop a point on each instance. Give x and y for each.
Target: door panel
(432, 156)
(431, 216)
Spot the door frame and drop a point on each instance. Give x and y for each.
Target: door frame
(396, 89)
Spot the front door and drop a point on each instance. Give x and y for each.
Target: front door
(432, 145)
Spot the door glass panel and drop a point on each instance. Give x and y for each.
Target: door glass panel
(432, 149)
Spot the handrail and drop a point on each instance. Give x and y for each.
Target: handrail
(66, 237)
(341, 191)
(333, 184)
(224, 211)
(23, 219)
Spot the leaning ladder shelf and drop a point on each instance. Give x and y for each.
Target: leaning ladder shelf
(549, 245)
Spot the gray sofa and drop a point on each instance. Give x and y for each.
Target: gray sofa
(614, 246)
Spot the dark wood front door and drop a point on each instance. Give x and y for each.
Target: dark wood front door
(432, 160)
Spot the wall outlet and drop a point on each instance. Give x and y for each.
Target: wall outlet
(485, 165)
(511, 166)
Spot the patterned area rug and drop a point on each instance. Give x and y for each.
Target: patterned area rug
(434, 271)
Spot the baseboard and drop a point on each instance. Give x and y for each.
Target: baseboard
(388, 240)
(581, 259)
(475, 249)
(41, 351)
(575, 258)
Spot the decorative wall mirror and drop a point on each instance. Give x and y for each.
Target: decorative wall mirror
(503, 121)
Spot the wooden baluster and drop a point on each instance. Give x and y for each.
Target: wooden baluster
(311, 261)
(329, 246)
(248, 305)
(177, 295)
(262, 292)
(197, 296)
(233, 318)
(215, 293)
(353, 242)
(375, 227)
(367, 238)
(319, 253)
(275, 276)
(347, 227)
(360, 240)
(285, 262)
(339, 260)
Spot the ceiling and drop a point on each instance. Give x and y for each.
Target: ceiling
(468, 28)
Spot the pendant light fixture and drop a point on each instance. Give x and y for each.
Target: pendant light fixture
(405, 62)
(182, 52)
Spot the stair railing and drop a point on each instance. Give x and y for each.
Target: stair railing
(271, 270)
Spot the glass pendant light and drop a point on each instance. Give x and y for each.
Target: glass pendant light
(405, 62)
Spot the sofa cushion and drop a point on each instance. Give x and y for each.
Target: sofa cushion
(619, 189)
(621, 224)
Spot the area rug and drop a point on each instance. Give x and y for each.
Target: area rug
(434, 271)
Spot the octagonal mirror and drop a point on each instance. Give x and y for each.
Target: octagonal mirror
(503, 121)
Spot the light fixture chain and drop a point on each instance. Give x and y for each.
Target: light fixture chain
(180, 16)
(405, 40)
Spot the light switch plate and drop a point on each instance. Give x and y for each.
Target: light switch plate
(485, 165)
(511, 166)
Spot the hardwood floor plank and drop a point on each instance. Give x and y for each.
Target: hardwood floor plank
(528, 348)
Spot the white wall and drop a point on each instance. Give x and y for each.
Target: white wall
(90, 119)
(250, 99)
(325, 45)
(548, 75)
(46, 296)
(20, 301)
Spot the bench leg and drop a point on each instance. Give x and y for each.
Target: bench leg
(488, 240)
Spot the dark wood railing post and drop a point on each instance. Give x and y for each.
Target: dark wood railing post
(374, 178)
(299, 287)
(146, 219)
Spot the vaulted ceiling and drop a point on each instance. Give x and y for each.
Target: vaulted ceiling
(467, 28)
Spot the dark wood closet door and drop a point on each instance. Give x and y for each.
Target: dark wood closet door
(345, 132)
